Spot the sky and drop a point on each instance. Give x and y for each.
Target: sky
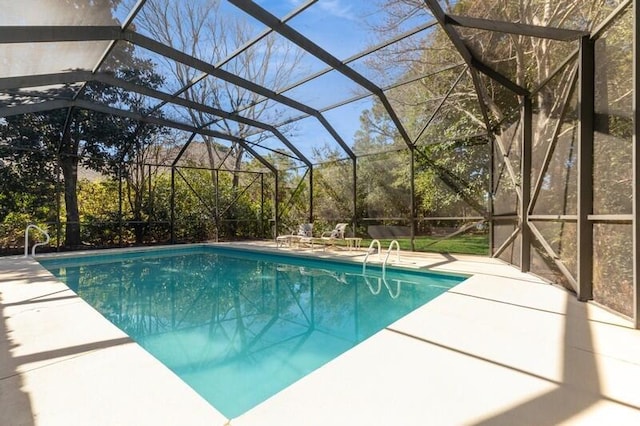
(337, 28)
(341, 27)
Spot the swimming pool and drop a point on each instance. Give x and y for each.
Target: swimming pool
(240, 326)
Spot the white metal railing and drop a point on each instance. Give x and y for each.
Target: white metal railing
(386, 259)
(26, 240)
(382, 279)
(384, 264)
(369, 251)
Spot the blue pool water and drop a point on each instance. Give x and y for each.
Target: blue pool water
(239, 326)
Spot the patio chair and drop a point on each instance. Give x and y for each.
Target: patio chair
(305, 231)
(329, 238)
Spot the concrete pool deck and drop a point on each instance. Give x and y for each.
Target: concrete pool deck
(501, 348)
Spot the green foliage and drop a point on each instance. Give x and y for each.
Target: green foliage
(333, 192)
(463, 244)
(34, 144)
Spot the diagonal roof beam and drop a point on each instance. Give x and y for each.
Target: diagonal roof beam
(49, 34)
(350, 59)
(61, 104)
(538, 31)
(31, 108)
(367, 95)
(440, 104)
(439, 14)
(125, 24)
(107, 52)
(12, 83)
(362, 54)
(173, 124)
(183, 149)
(176, 55)
(611, 19)
(112, 81)
(262, 15)
(266, 32)
(238, 51)
(466, 54)
(557, 70)
(487, 70)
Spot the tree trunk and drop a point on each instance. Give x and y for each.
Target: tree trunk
(69, 166)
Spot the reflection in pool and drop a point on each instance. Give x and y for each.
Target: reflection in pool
(239, 327)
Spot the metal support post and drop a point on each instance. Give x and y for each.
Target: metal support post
(586, 87)
(412, 153)
(173, 205)
(311, 194)
(120, 206)
(492, 169)
(355, 196)
(525, 182)
(276, 212)
(262, 205)
(636, 170)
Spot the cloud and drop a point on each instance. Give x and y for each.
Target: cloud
(337, 9)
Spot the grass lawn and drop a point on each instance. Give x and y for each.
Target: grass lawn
(468, 244)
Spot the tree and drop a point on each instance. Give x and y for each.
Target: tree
(199, 29)
(81, 137)
(27, 180)
(528, 62)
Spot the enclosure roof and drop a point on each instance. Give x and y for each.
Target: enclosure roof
(278, 78)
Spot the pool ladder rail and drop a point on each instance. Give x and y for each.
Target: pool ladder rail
(383, 278)
(386, 259)
(26, 240)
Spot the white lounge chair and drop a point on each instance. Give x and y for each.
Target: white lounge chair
(305, 231)
(329, 238)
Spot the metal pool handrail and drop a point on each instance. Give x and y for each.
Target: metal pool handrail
(384, 264)
(366, 257)
(26, 240)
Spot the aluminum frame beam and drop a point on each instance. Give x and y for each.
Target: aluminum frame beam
(586, 102)
(355, 58)
(525, 182)
(176, 55)
(173, 124)
(362, 54)
(466, 54)
(10, 83)
(367, 95)
(538, 31)
(239, 50)
(636, 167)
(14, 83)
(62, 33)
(107, 79)
(262, 15)
(37, 107)
(439, 106)
(548, 156)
